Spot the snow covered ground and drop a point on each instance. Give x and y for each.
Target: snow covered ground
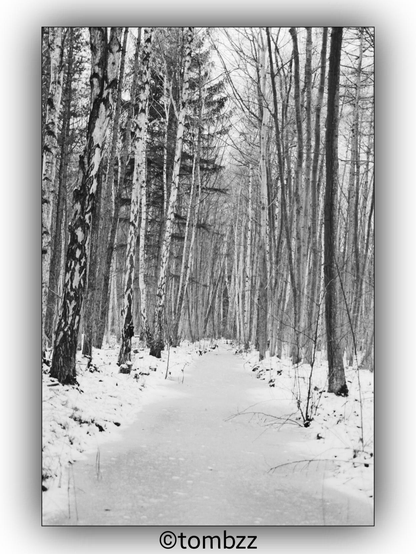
(76, 420)
(341, 428)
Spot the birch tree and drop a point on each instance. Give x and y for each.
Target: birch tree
(248, 263)
(99, 231)
(158, 338)
(50, 151)
(264, 293)
(104, 72)
(314, 280)
(116, 186)
(58, 239)
(139, 183)
(299, 202)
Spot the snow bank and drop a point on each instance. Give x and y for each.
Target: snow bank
(340, 428)
(76, 419)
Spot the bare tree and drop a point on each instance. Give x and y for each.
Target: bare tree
(158, 338)
(50, 150)
(104, 73)
(139, 183)
(336, 374)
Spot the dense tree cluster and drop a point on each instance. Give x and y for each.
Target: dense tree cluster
(206, 182)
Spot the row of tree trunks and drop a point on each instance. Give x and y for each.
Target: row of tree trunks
(157, 341)
(104, 74)
(165, 253)
(116, 185)
(284, 186)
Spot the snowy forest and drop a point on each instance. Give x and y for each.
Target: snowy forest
(208, 190)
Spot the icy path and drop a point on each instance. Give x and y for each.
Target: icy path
(186, 461)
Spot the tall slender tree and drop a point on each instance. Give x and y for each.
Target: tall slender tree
(336, 373)
(313, 280)
(158, 331)
(50, 151)
(58, 238)
(139, 182)
(116, 187)
(105, 64)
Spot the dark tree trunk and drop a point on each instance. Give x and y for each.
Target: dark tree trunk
(105, 212)
(336, 375)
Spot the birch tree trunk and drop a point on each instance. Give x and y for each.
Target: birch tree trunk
(58, 240)
(336, 374)
(352, 272)
(306, 199)
(93, 330)
(283, 184)
(248, 263)
(144, 324)
(218, 274)
(264, 293)
(50, 150)
(313, 282)
(139, 182)
(187, 259)
(196, 177)
(300, 205)
(158, 338)
(104, 72)
(108, 255)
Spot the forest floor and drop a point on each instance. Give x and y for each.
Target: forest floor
(220, 441)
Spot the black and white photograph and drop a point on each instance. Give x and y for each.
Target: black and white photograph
(208, 263)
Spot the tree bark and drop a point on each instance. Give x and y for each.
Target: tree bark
(352, 270)
(299, 207)
(58, 238)
(105, 62)
(284, 186)
(108, 255)
(248, 263)
(93, 330)
(50, 150)
(139, 182)
(264, 266)
(336, 374)
(313, 283)
(158, 338)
